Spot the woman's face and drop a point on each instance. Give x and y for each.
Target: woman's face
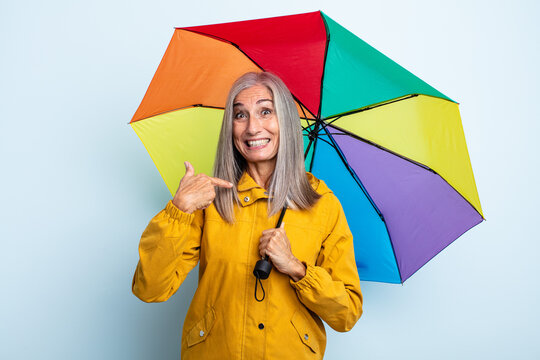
(255, 125)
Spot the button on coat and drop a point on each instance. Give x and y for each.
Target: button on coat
(224, 319)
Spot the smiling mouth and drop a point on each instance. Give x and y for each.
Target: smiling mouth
(258, 142)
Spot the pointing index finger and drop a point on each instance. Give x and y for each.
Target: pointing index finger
(220, 182)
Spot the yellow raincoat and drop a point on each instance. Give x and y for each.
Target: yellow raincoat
(224, 321)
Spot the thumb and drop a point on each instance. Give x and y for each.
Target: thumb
(282, 226)
(189, 169)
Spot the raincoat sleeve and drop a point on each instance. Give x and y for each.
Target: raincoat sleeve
(331, 287)
(168, 250)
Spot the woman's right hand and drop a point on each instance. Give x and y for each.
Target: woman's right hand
(196, 191)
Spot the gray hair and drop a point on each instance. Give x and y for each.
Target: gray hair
(288, 183)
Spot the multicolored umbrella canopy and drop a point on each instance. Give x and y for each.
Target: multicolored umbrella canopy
(390, 146)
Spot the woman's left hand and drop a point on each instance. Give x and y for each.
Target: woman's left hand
(275, 244)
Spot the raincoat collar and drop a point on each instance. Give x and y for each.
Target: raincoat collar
(249, 191)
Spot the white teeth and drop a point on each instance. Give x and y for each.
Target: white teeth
(258, 142)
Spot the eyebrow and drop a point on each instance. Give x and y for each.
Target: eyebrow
(258, 102)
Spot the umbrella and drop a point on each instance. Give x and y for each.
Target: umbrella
(389, 145)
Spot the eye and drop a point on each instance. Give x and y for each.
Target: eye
(266, 112)
(239, 115)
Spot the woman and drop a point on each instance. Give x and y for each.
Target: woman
(227, 222)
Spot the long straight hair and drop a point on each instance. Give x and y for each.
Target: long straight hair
(288, 183)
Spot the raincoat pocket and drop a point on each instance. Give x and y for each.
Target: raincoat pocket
(201, 330)
(305, 332)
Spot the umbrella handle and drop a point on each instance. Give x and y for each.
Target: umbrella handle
(263, 267)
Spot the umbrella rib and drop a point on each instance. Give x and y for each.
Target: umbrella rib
(303, 112)
(353, 174)
(359, 182)
(348, 133)
(308, 126)
(180, 108)
(316, 138)
(307, 149)
(186, 107)
(371, 107)
(325, 124)
(326, 141)
(337, 117)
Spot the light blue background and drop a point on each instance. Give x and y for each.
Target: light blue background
(78, 188)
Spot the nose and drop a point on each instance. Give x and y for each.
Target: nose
(254, 126)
